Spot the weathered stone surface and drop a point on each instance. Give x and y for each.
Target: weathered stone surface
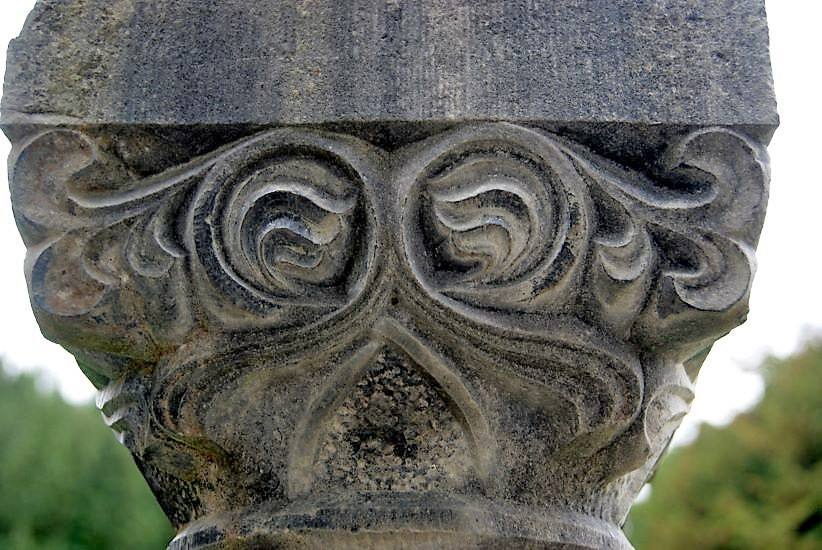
(463, 307)
(313, 61)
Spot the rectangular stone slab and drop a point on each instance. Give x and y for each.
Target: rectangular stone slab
(185, 62)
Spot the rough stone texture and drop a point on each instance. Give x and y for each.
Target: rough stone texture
(312, 61)
(430, 274)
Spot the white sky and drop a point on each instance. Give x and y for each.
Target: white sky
(786, 305)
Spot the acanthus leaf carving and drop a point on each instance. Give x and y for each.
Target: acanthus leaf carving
(97, 233)
(503, 217)
(703, 225)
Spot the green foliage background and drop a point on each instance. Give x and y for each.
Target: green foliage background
(755, 484)
(65, 482)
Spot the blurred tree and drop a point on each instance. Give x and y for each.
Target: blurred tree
(755, 484)
(65, 482)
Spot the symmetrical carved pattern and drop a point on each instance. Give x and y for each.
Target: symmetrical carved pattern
(498, 274)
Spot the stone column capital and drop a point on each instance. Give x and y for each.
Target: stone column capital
(393, 274)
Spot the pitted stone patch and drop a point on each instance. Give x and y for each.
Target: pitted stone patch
(396, 431)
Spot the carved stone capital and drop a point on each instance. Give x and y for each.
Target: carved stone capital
(447, 334)
(300, 322)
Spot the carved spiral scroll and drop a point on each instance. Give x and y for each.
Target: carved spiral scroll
(494, 215)
(283, 222)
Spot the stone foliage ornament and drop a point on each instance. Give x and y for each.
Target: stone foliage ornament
(430, 274)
